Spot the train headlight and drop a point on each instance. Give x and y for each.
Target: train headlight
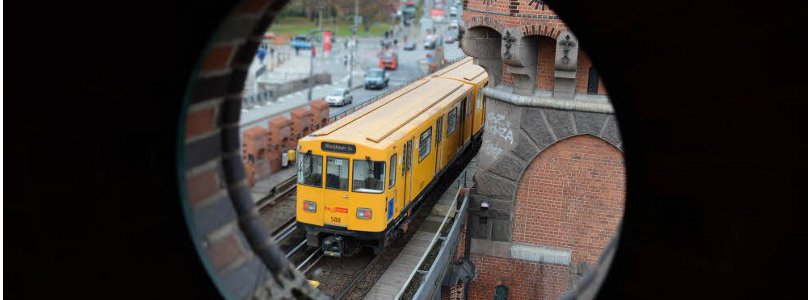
(363, 213)
(309, 206)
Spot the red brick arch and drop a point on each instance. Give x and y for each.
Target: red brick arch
(485, 21)
(571, 195)
(547, 30)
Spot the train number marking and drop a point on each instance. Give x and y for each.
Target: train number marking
(336, 220)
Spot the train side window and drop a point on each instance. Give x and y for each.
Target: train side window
(452, 122)
(336, 173)
(425, 144)
(393, 165)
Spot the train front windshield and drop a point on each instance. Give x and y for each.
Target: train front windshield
(368, 176)
(310, 170)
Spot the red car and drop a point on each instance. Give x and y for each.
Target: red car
(388, 60)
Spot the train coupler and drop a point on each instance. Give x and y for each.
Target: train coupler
(339, 246)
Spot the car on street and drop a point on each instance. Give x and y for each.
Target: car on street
(410, 46)
(300, 42)
(376, 78)
(339, 96)
(388, 60)
(453, 11)
(437, 14)
(451, 36)
(430, 41)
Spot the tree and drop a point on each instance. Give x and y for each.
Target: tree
(371, 11)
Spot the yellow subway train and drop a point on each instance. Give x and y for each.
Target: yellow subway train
(360, 177)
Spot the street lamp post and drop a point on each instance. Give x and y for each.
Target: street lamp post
(353, 45)
(311, 61)
(311, 70)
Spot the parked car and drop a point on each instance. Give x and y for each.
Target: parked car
(376, 78)
(339, 96)
(300, 42)
(410, 46)
(453, 11)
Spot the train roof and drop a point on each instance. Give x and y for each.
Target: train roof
(465, 70)
(386, 121)
(381, 124)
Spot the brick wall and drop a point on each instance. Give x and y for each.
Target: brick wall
(521, 16)
(532, 20)
(582, 77)
(545, 74)
(571, 196)
(525, 280)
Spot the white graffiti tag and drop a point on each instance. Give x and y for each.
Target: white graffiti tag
(498, 135)
(499, 126)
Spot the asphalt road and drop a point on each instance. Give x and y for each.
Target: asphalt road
(367, 50)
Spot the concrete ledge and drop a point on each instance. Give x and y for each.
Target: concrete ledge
(505, 94)
(542, 254)
(521, 251)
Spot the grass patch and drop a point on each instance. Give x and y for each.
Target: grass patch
(299, 25)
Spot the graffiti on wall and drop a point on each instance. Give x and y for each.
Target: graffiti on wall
(499, 131)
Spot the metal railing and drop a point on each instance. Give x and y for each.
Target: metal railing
(370, 101)
(430, 280)
(259, 98)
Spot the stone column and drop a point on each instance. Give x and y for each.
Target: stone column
(566, 65)
(521, 55)
(483, 44)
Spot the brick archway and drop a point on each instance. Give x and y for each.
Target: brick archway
(553, 208)
(484, 21)
(547, 30)
(233, 244)
(575, 190)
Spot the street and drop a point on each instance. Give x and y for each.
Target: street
(297, 66)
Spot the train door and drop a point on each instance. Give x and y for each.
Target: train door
(462, 122)
(438, 144)
(393, 201)
(407, 172)
(335, 195)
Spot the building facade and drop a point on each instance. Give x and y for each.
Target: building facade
(550, 170)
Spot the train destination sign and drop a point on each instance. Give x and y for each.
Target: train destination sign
(341, 148)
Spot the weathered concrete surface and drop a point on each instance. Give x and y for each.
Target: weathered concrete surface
(501, 129)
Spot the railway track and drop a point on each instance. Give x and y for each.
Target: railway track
(343, 278)
(357, 277)
(363, 271)
(277, 193)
